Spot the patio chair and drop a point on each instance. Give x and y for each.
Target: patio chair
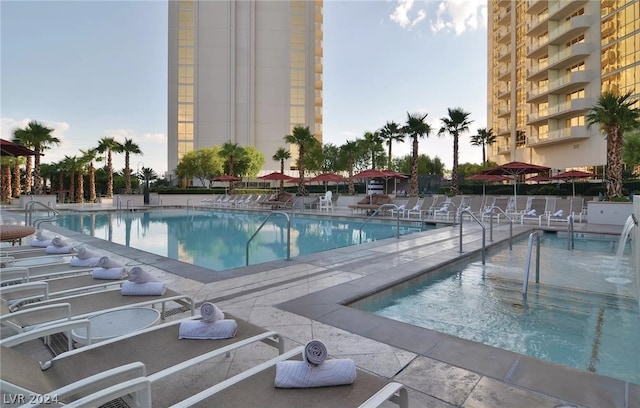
(499, 202)
(404, 208)
(325, 202)
(577, 208)
(537, 212)
(156, 350)
(562, 211)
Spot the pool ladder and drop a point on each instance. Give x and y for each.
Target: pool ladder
(374, 213)
(527, 267)
(262, 225)
(52, 213)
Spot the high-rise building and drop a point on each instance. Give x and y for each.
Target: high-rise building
(549, 62)
(243, 71)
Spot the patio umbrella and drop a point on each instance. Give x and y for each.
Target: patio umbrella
(515, 169)
(327, 177)
(226, 177)
(277, 176)
(539, 178)
(9, 148)
(573, 175)
(487, 178)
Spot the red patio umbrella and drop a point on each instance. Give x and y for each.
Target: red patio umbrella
(9, 148)
(487, 178)
(515, 169)
(539, 178)
(327, 177)
(573, 175)
(277, 176)
(226, 177)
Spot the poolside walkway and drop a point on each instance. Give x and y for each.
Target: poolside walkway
(304, 298)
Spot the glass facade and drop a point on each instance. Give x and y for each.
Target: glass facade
(186, 82)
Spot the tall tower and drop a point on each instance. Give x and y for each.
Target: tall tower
(243, 71)
(549, 62)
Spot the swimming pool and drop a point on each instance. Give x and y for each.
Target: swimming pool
(584, 314)
(217, 239)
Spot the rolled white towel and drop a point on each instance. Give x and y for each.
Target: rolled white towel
(84, 253)
(44, 235)
(143, 289)
(299, 374)
(59, 242)
(75, 261)
(558, 213)
(52, 249)
(109, 273)
(416, 208)
(532, 212)
(40, 243)
(444, 208)
(314, 352)
(105, 262)
(139, 275)
(211, 313)
(199, 330)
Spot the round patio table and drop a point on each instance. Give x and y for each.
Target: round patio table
(116, 323)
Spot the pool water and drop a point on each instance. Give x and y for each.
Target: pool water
(583, 314)
(217, 240)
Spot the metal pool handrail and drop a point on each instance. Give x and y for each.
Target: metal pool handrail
(570, 241)
(483, 232)
(28, 213)
(374, 213)
(262, 225)
(495, 207)
(525, 284)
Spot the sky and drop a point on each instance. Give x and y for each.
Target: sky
(94, 69)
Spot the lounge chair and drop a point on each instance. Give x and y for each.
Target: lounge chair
(404, 208)
(158, 348)
(562, 211)
(371, 203)
(537, 212)
(280, 201)
(14, 233)
(577, 208)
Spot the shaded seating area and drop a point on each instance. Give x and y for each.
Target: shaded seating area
(371, 202)
(15, 233)
(281, 200)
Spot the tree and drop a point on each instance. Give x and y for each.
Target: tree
(304, 139)
(373, 143)
(129, 148)
(48, 172)
(348, 153)
(415, 128)
(615, 116)
(457, 122)
(40, 139)
(17, 162)
(426, 165)
(484, 138)
(391, 132)
(281, 155)
(20, 136)
(5, 178)
(202, 164)
(70, 165)
(89, 156)
(229, 152)
(109, 145)
(249, 163)
(631, 149)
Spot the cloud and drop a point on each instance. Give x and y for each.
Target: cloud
(451, 15)
(159, 138)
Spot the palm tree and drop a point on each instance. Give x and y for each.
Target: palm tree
(230, 152)
(484, 138)
(70, 166)
(615, 116)
(457, 122)
(40, 139)
(89, 156)
(415, 128)
(129, 147)
(373, 142)
(304, 139)
(350, 150)
(281, 155)
(108, 145)
(20, 136)
(5, 178)
(17, 162)
(391, 132)
(48, 172)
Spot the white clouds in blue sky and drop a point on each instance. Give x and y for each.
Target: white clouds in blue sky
(91, 69)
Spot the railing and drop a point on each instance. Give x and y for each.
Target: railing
(193, 206)
(483, 232)
(570, 238)
(28, 214)
(374, 213)
(490, 211)
(262, 225)
(130, 205)
(527, 267)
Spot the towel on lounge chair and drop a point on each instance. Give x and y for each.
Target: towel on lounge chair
(59, 242)
(109, 273)
(84, 253)
(44, 235)
(53, 249)
(532, 212)
(76, 261)
(40, 243)
(201, 330)
(211, 313)
(314, 352)
(105, 262)
(558, 213)
(143, 289)
(300, 374)
(139, 275)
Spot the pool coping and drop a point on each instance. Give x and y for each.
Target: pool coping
(331, 306)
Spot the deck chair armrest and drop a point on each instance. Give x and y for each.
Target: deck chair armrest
(64, 307)
(40, 288)
(140, 388)
(394, 392)
(237, 378)
(97, 381)
(14, 274)
(47, 331)
(7, 260)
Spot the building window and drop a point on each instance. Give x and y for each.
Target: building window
(185, 93)
(577, 121)
(185, 113)
(185, 75)
(521, 138)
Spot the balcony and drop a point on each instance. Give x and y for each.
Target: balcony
(562, 110)
(569, 81)
(504, 111)
(537, 48)
(504, 148)
(558, 136)
(504, 53)
(503, 92)
(569, 29)
(503, 36)
(503, 15)
(536, 6)
(537, 24)
(563, 8)
(538, 71)
(538, 94)
(504, 71)
(569, 56)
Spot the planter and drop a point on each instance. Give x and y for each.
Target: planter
(606, 212)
